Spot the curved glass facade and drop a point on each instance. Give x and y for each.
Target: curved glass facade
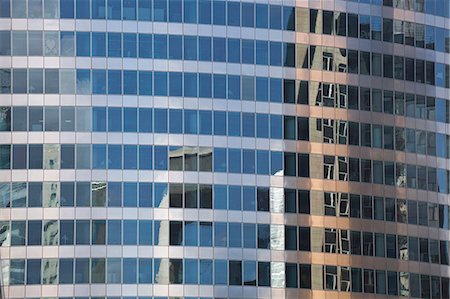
(222, 149)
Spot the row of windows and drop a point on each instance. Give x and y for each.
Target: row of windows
(223, 272)
(222, 123)
(147, 271)
(247, 161)
(375, 64)
(215, 12)
(234, 198)
(222, 234)
(374, 28)
(434, 7)
(201, 12)
(158, 46)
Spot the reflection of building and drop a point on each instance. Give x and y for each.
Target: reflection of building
(224, 149)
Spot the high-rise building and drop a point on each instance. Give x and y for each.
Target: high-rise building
(224, 149)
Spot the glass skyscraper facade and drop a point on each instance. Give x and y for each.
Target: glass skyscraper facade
(224, 149)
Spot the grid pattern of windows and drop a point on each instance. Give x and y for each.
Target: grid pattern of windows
(224, 149)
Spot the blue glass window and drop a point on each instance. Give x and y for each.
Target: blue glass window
(98, 9)
(190, 84)
(99, 119)
(275, 90)
(248, 198)
(205, 122)
(220, 160)
(248, 124)
(160, 84)
(175, 121)
(204, 47)
(130, 82)
(145, 270)
(275, 17)
(130, 194)
(114, 232)
(114, 9)
(33, 271)
(276, 128)
(190, 233)
(234, 87)
(175, 11)
(190, 11)
(262, 125)
(130, 119)
(190, 47)
(129, 45)
(262, 12)
(145, 157)
(206, 234)
(129, 9)
(160, 46)
(114, 156)
(235, 238)
(206, 269)
(220, 123)
(145, 120)
(145, 197)
(161, 157)
(234, 198)
(190, 271)
(114, 194)
(262, 89)
(220, 272)
(67, 10)
(160, 120)
(262, 162)
(83, 9)
(98, 44)
(129, 269)
(220, 234)
(205, 86)
(234, 160)
(234, 13)
(145, 10)
(99, 82)
(175, 84)
(114, 81)
(275, 53)
(234, 50)
(175, 47)
(220, 197)
(262, 53)
(114, 44)
(98, 156)
(190, 122)
(234, 124)
(219, 12)
(204, 11)
(130, 156)
(248, 14)
(83, 82)
(160, 10)
(83, 44)
(248, 161)
(145, 46)
(276, 162)
(219, 86)
(248, 49)
(129, 232)
(145, 83)
(65, 271)
(114, 119)
(219, 49)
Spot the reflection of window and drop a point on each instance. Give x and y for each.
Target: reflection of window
(328, 167)
(343, 241)
(331, 278)
(330, 240)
